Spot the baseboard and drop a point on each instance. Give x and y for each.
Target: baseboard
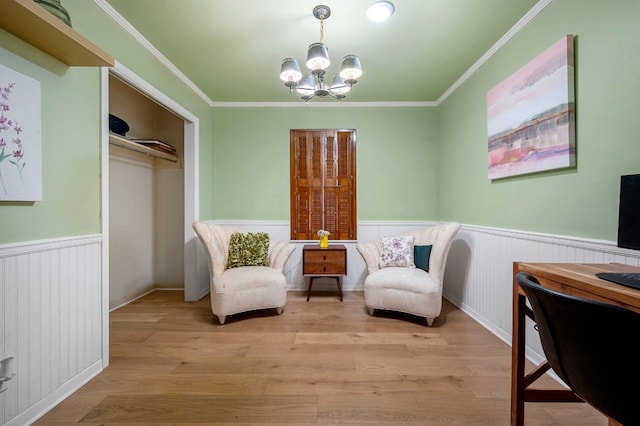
(43, 406)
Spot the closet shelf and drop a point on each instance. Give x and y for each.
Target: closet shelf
(32, 23)
(128, 144)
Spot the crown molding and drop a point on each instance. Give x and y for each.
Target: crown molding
(109, 10)
(119, 19)
(302, 104)
(537, 8)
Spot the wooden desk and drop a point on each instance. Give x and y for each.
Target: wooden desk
(330, 262)
(579, 280)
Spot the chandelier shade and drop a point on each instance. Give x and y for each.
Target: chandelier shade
(313, 85)
(351, 69)
(339, 86)
(290, 72)
(318, 57)
(306, 86)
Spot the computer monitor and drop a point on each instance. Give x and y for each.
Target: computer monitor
(629, 212)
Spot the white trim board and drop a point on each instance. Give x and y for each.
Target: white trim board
(190, 166)
(43, 406)
(36, 246)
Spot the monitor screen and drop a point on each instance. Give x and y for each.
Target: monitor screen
(629, 212)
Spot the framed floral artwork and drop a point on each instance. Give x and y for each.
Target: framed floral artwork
(20, 137)
(531, 115)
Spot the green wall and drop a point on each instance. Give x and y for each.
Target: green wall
(70, 147)
(71, 127)
(396, 152)
(93, 23)
(581, 201)
(431, 163)
(413, 163)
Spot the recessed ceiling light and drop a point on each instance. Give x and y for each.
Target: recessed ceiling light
(380, 11)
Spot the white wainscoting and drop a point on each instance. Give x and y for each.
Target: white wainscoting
(356, 268)
(51, 298)
(51, 311)
(479, 273)
(478, 277)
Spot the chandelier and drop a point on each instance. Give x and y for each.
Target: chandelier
(313, 84)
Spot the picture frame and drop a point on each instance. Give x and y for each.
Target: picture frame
(20, 137)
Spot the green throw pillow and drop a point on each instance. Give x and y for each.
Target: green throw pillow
(250, 249)
(421, 256)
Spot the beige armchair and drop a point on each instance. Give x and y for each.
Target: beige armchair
(244, 288)
(405, 289)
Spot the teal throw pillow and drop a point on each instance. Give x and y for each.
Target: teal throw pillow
(248, 249)
(421, 256)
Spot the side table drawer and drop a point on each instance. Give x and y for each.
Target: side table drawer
(325, 262)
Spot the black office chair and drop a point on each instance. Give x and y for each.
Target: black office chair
(593, 347)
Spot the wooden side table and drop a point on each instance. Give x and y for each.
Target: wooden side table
(330, 262)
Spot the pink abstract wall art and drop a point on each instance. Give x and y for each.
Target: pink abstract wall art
(531, 116)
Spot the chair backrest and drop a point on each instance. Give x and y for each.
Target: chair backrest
(440, 236)
(215, 239)
(593, 346)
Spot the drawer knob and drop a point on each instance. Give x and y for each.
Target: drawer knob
(324, 257)
(324, 269)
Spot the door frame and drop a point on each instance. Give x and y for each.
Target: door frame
(190, 182)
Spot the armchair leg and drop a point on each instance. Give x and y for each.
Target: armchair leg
(279, 310)
(221, 318)
(371, 310)
(429, 321)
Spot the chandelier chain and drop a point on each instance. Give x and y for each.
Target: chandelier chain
(322, 29)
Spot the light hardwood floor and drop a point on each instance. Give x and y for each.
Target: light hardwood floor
(322, 362)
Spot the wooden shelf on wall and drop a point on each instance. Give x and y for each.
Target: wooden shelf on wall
(32, 23)
(129, 144)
